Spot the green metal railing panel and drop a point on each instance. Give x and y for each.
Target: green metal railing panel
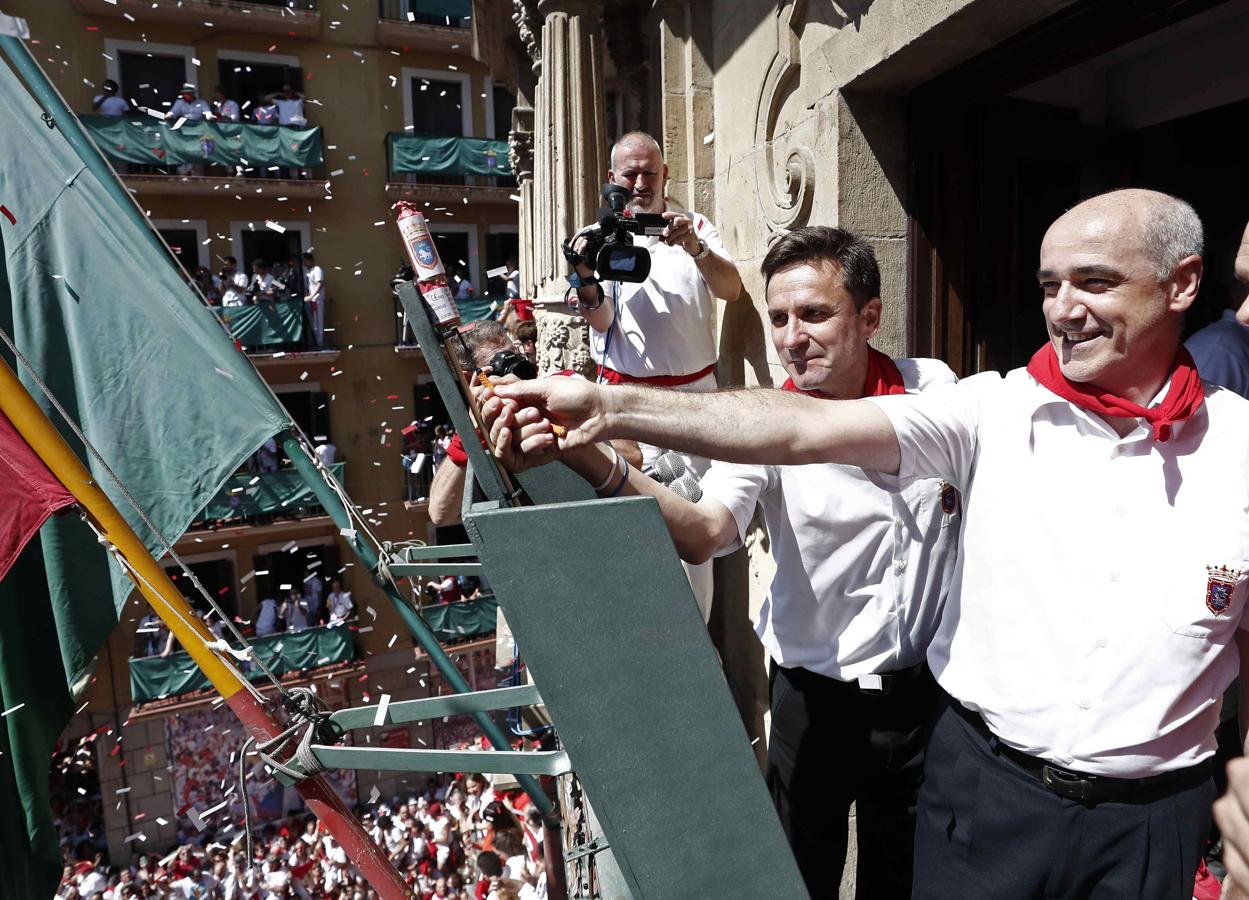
(156, 677)
(436, 707)
(423, 552)
(405, 570)
(153, 142)
(616, 644)
(264, 324)
(262, 493)
(464, 619)
(488, 762)
(434, 155)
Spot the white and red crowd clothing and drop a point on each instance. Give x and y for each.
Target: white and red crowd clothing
(1088, 631)
(861, 576)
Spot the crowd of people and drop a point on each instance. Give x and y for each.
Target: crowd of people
(457, 839)
(281, 107)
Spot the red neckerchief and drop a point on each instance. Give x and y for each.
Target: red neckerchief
(882, 378)
(1184, 396)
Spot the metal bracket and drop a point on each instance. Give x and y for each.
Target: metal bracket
(598, 845)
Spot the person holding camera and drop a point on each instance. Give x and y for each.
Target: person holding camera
(657, 331)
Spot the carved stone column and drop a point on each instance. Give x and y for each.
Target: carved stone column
(570, 162)
(687, 102)
(520, 155)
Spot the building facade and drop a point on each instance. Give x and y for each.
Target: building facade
(394, 103)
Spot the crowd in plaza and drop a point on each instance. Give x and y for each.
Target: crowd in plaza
(459, 840)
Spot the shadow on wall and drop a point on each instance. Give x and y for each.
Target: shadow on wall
(742, 343)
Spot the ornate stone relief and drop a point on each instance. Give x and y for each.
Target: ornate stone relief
(529, 27)
(784, 174)
(563, 343)
(520, 143)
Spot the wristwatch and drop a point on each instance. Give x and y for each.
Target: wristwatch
(703, 250)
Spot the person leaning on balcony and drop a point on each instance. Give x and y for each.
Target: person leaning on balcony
(262, 286)
(188, 106)
(233, 283)
(314, 297)
(290, 104)
(659, 332)
(1097, 610)
(446, 491)
(226, 110)
(107, 103)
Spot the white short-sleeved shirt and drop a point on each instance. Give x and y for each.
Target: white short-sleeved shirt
(290, 112)
(111, 105)
(861, 572)
(192, 112)
(1100, 580)
(314, 283)
(662, 326)
(235, 290)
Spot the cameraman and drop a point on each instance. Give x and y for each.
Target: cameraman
(485, 340)
(659, 331)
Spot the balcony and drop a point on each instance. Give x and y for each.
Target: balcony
(462, 621)
(297, 18)
(425, 24)
(474, 309)
(260, 498)
(274, 333)
(162, 677)
(160, 157)
(446, 170)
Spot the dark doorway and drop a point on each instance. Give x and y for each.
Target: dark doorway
(184, 243)
(282, 253)
(151, 80)
(500, 246)
(453, 250)
(503, 102)
(1005, 144)
(295, 568)
(248, 82)
(310, 410)
(436, 107)
(217, 577)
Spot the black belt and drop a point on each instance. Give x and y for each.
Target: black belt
(1090, 789)
(889, 681)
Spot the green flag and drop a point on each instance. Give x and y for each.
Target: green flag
(157, 387)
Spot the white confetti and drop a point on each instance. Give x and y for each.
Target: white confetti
(11, 709)
(383, 704)
(709, 138)
(274, 226)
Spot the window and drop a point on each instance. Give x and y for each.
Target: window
(281, 253)
(437, 107)
(503, 104)
(500, 246)
(217, 577)
(453, 250)
(184, 243)
(311, 412)
(152, 80)
(293, 569)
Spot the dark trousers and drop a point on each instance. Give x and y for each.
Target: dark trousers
(988, 829)
(832, 744)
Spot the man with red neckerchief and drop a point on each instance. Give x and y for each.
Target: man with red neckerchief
(1097, 603)
(861, 574)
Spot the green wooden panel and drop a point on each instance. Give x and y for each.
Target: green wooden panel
(607, 623)
(435, 707)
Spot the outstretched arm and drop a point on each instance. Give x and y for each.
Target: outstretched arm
(748, 426)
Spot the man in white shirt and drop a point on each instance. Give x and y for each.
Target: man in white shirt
(290, 105)
(227, 110)
(861, 576)
(188, 106)
(234, 284)
(107, 103)
(1102, 576)
(340, 604)
(262, 286)
(314, 297)
(659, 331)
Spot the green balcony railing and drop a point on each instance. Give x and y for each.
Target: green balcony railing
(155, 142)
(447, 13)
(270, 325)
(157, 677)
(250, 497)
(433, 157)
(465, 619)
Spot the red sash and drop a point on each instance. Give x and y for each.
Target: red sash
(883, 378)
(611, 376)
(1184, 396)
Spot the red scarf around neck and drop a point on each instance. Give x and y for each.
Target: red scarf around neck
(883, 378)
(1184, 396)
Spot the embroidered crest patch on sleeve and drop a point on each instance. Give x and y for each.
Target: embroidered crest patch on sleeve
(1219, 588)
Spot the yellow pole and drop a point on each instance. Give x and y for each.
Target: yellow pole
(171, 606)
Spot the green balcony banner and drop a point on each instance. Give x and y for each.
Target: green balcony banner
(448, 155)
(468, 618)
(154, 677)
(159, 143)
(257, 493)
(264, 324)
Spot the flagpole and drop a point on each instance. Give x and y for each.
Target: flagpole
(168, 603)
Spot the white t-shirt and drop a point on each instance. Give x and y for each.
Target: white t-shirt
(111, 106)
(314, 284)
(290, 112)
(861, 572)
(326, 453)
(662, 326)
(228, 111)
(464, 289)
(235, 290)
(1100, 581)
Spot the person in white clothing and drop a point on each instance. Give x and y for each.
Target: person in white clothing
(1096, 609)
(861, 576)
(234, 283)
(340, 604)
(660, 331)
(188, 106)
(226, 110)
(290, 106)
(314, 297)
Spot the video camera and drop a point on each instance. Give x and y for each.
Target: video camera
(609, 244)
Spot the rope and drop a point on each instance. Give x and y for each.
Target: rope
(309, 714)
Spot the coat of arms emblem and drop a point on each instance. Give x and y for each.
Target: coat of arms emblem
(1219, 588)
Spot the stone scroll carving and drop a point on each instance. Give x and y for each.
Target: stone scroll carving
(784, 176)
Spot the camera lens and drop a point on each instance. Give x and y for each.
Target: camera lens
(508, 362)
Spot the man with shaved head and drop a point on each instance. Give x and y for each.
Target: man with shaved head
(1096, 607)
(659, 331)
